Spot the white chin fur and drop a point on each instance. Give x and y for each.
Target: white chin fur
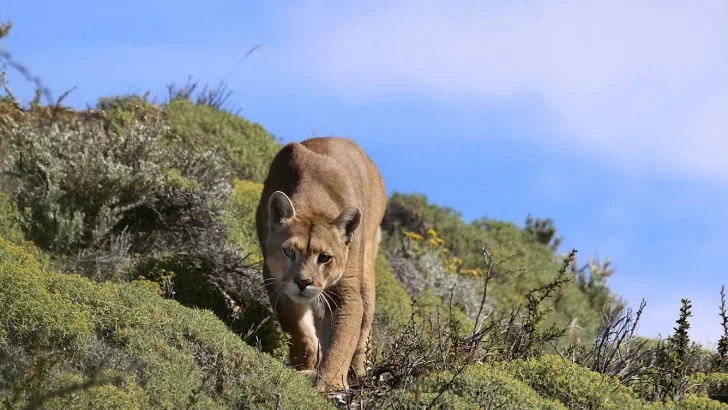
(304, 298)
(300, 299)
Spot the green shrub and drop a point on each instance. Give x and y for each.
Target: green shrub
(576, 387)
(691, 402)
(241, 217)
(429, 306)
(11, 221)
(716, 386)
(33, 315)
(246, 146)
(133, 345)
(122, 111)
(184, 279)
(83, 184)
(526, 259)
(476, 387)
(116, 203)
(393, 306)
(123, 393)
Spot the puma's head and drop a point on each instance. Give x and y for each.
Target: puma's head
(307, 254)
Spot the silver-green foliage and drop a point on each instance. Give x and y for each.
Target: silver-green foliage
(76, 183)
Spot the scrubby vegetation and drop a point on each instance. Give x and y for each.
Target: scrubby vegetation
(130, 278)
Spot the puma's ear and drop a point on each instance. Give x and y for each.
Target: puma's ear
(348, 221)
(280, 208)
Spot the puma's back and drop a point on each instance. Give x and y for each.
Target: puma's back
(323, 175)
(318, 225)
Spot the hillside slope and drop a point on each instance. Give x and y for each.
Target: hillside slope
(130, 278)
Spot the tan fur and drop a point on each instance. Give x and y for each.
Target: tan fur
(323, 195)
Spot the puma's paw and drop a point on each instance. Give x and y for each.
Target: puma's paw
(326, 387)
(309, 374)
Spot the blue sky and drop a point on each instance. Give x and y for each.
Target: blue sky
(609, 117)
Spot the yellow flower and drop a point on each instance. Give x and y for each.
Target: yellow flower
(432, 232)
(413, 236)
(474, 272)
(435, 242)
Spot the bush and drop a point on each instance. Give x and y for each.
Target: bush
(241, 217)
(715, 386)
(574, 386)
(247, 148)
(692, 402)
(430, 257)
(128, 345)
(477, 386)
(81, 185)
(526, 256)
(122, 111)
(125, 393)
(578, 387)
(128, 206)
(392, 308)
(11, 221)
(407, 274)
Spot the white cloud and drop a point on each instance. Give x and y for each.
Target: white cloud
(641, 83)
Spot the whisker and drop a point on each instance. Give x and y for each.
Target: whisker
(332, 300)
(259, 288)
(327, 297)
(321, 299)
(266, 282)
(277, 297)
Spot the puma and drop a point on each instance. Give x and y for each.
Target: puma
(318, 223)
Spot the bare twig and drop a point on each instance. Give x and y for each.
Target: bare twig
(4, 55)
(257, 46)
(3, 81)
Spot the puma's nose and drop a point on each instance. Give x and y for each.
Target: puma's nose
(302, 283)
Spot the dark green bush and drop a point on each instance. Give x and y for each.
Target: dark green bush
(246, 146)
(691, 402)
(121, 112)
(393, 306)
(715, 386)
(574, 386)
(11, 220)
(241, 217)
(476, 387)
(131, 344)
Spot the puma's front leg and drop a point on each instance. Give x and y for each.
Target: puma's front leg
(304, 352)
(334, 367)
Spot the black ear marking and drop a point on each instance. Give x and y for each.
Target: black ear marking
(348, 221)
(280, 208)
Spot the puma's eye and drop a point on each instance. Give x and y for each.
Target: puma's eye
(324, 258)
(289, 252)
